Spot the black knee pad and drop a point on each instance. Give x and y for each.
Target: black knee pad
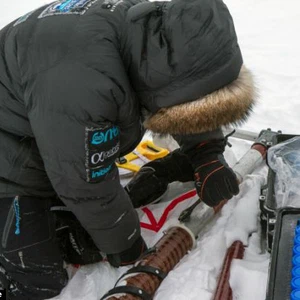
(76, 244)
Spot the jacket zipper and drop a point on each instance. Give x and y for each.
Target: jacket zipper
(21, 259)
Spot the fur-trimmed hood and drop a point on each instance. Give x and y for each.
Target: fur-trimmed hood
(186, 67)
(231, 104)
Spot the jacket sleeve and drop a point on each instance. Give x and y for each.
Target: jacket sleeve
(73, 115)
(191, 141)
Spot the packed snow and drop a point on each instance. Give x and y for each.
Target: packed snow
(267, 31)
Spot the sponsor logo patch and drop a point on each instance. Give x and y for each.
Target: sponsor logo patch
(102, 146)
(101, 137)
(67, 7)
(99, 172)
(99, 157)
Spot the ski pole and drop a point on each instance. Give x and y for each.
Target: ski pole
(142, 281)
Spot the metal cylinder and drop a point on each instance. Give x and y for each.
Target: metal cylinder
(241, 134)
(247, 163)
(170, 249)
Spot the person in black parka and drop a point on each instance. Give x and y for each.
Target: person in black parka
(80, 82)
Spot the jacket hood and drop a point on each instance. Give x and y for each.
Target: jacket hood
(180, 51)
(230, 105)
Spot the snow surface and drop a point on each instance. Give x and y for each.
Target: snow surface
(268, 32)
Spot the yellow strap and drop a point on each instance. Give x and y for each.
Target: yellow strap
(150, 150)
(147, 149)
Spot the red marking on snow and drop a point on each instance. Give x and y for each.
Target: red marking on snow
(157, 225)
(76, 266)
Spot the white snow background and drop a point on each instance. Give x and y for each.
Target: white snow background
(268, 32)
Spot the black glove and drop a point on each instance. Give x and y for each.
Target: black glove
(214, 179)
(129, 256)
(76, 245)
(151, 182)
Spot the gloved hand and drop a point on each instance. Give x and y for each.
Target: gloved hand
(76, 245)
(151, 182)
(128, 256)
(214, 179)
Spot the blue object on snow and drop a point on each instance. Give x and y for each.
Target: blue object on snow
(296, 250)
(296, 260)
(296, 283)
(295, 295)
(296, 272)
(297, 239)
(297, 229)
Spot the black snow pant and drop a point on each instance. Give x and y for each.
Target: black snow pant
(31, 265)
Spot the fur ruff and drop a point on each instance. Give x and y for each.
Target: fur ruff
(230, 105)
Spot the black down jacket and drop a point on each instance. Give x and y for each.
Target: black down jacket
(74, 75)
